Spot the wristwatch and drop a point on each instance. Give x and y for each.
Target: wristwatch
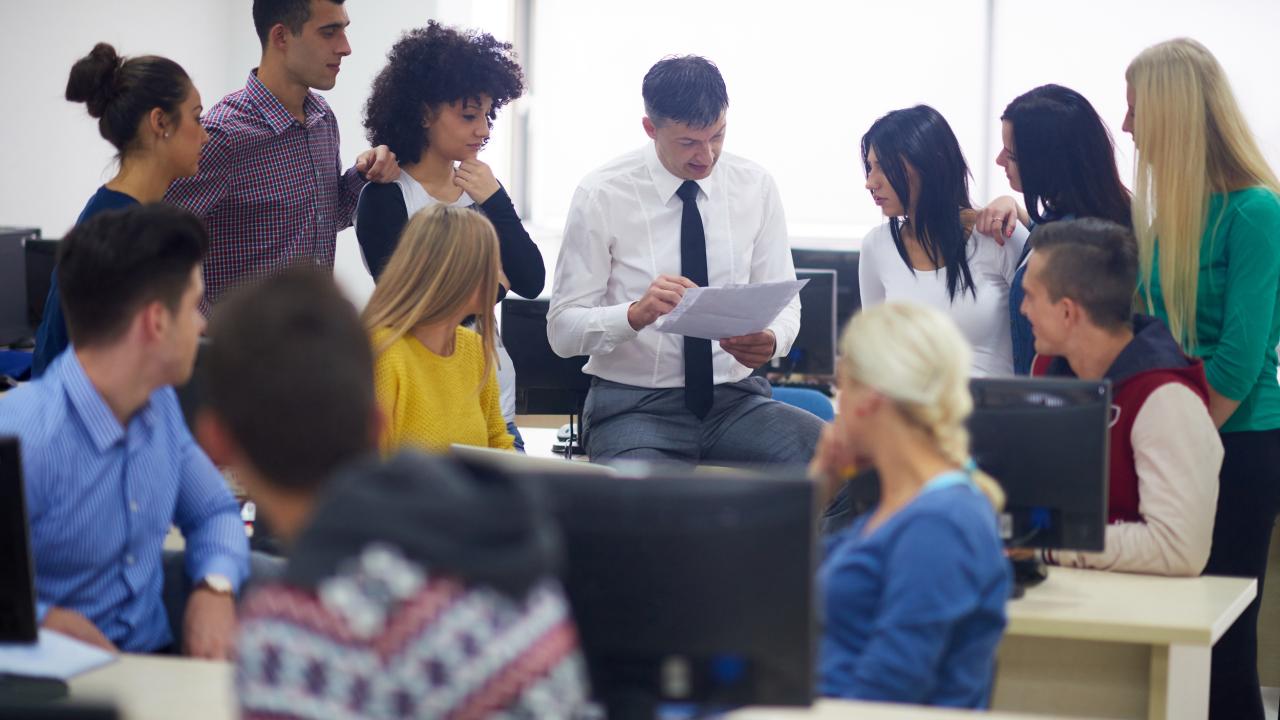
(220, 584)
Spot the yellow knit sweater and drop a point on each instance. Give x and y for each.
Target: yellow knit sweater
(430, 402)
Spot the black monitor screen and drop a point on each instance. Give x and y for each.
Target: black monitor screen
(17, 587)
(40, 263)
(691, 587)
(845, 263)
(814, 351)
(545, 382)
(1047, 442)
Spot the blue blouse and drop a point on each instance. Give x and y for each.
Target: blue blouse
(51, 336)
(914, 610)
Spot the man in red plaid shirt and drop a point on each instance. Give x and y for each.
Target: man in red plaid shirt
(271, 188)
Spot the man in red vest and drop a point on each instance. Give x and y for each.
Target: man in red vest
(1165, 450)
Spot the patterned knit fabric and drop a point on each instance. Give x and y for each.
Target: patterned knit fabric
(383, 639)
(430, 402)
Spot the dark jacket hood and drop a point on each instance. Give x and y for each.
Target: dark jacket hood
(482, 527)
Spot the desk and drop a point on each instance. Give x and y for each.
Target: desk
(147, 687)
(849, 710)
(1091, 643)
(161, 688)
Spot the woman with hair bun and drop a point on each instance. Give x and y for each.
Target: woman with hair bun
(914, 590)
(149, 110)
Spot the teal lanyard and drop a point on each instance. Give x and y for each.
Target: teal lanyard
(948, 479)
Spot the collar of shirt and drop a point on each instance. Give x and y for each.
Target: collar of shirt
(666, 183)
(273, 111)
(88, 403)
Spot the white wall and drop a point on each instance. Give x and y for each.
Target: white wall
(1087, 46)
(55, 158)
(805, 81)
(51, 149)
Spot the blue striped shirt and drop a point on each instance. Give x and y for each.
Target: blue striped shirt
(101, 498)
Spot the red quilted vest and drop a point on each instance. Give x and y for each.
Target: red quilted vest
(1127, 397)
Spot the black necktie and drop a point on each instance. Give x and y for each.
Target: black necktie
(693, 265)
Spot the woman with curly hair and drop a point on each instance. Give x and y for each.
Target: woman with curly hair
(434, 105)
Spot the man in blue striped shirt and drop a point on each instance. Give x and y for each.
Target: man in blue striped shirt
(108, 460)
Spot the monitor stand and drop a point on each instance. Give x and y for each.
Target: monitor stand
(1027, 573)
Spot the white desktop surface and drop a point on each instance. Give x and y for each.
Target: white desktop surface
(147, 687)
(162, 688)
(1088, 643)
(850, 710)
(1124, 607)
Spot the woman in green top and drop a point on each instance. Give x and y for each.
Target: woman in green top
(1206, 210)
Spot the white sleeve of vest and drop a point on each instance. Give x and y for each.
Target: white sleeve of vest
(1178, 454)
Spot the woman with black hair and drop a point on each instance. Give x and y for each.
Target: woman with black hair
(1058, 153)
(929, 251)
(434, 105)
(149, 110)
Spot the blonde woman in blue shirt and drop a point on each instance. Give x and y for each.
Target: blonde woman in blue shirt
(914, 590)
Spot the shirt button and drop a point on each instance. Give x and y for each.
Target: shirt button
(133, 505)
(128, 559)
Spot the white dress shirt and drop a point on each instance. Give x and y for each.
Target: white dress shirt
(623, 232)
(983, 320)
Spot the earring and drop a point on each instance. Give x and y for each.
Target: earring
(166, 135)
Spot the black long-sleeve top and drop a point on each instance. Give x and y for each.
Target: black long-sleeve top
(382, 215)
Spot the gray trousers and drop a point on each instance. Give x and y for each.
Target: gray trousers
(745, 425)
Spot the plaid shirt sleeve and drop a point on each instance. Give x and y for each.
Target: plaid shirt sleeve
(202, 192)
(352, 183)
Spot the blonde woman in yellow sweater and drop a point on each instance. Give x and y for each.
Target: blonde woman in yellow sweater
(436, 381)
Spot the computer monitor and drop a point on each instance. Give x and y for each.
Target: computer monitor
(14, 324)
(17, 580)
(41, 258)
(546, 384)
(690, 588)
(845, 263)
(814, 350)
(1047, 442)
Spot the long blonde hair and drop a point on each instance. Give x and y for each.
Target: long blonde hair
(1192, 141)
(443, 256)
(915, 356)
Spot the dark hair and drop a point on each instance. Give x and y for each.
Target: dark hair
(117, 262)
(431, 66)
(1065, 157)
(1092, 261)
(289, 370)
(920, 137)
(293, 14)
(120, 92)
(687, 89)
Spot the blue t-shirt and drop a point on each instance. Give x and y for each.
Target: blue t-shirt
(51, 336)
(913, 611)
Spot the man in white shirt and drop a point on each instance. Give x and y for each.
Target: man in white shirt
(1165, 448)
(672, 215)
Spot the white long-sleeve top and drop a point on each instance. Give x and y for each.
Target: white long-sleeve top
(1178, 454)
(984, 319)
(623, 231)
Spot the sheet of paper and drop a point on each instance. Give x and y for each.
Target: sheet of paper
(716, 313)
(54, 655)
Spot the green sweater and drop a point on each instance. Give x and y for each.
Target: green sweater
(1238, 304)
